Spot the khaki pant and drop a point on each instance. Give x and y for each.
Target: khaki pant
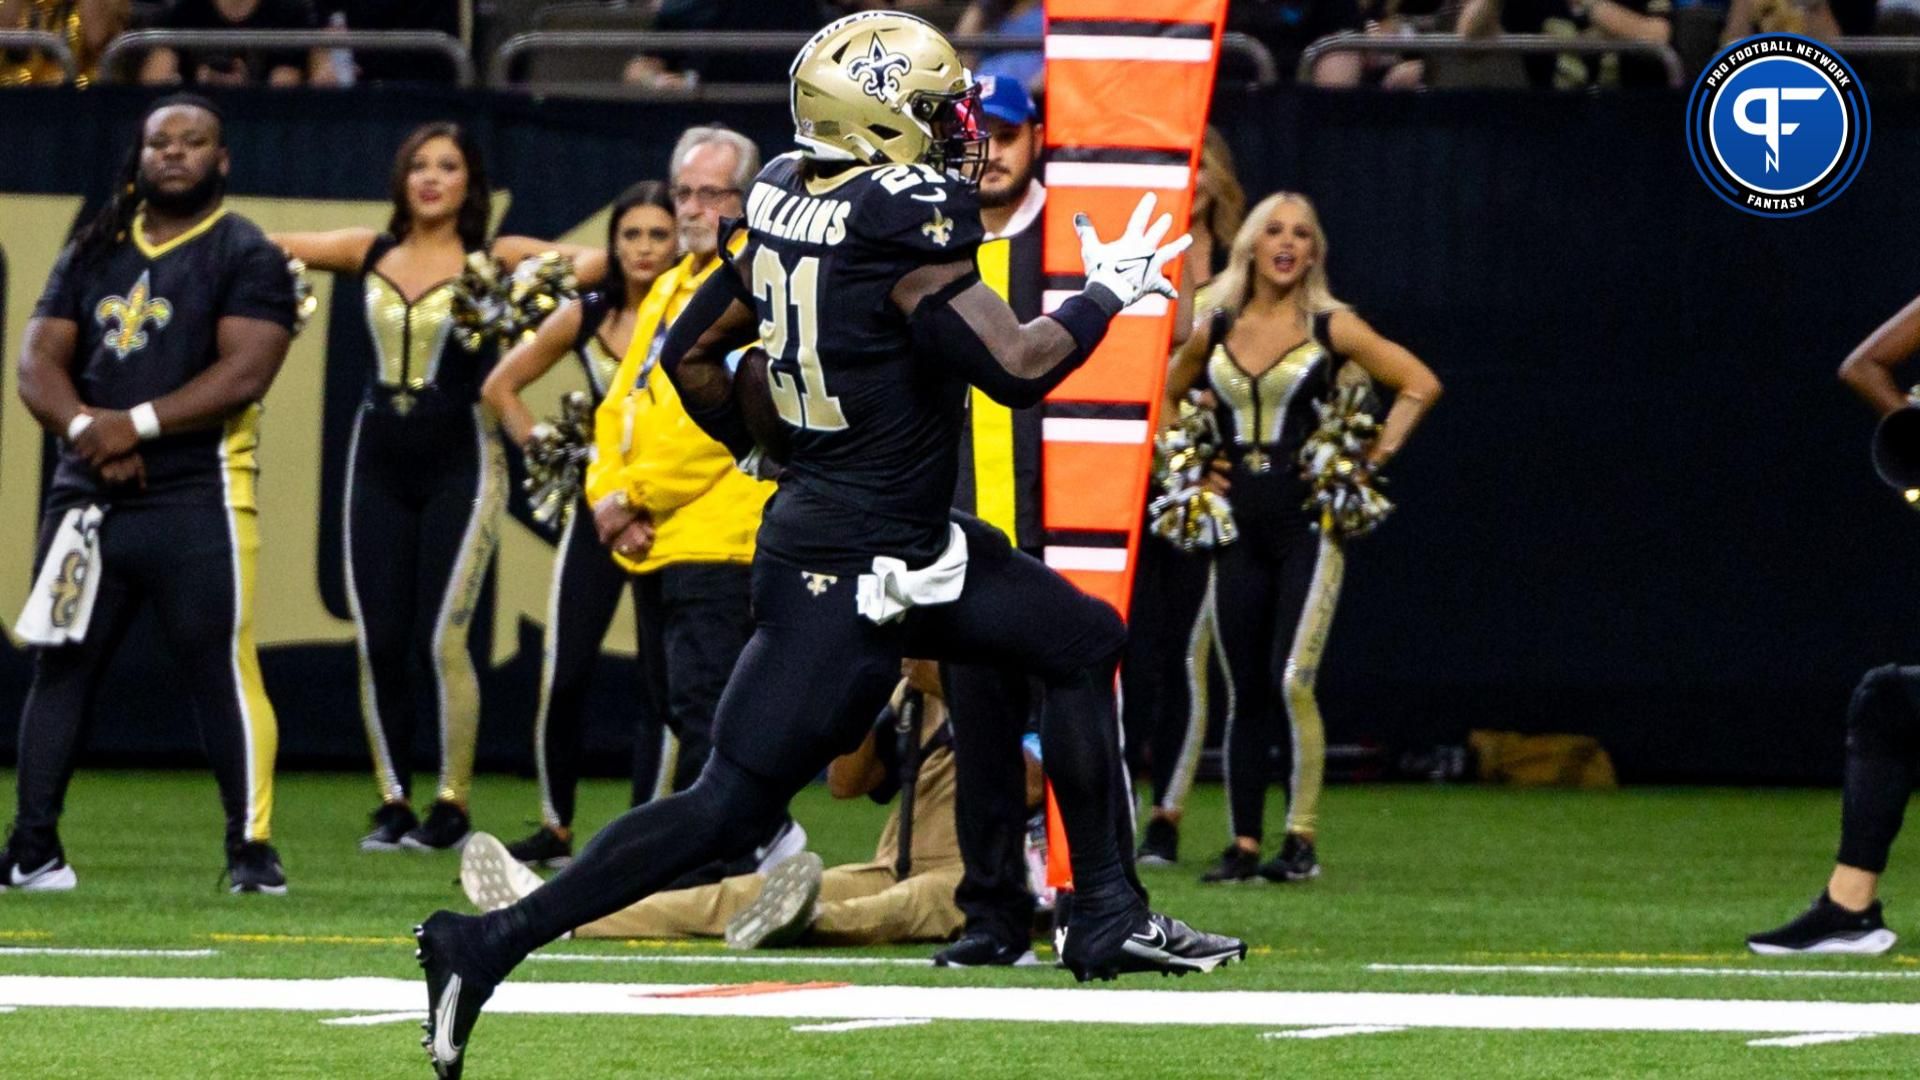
(861, 904)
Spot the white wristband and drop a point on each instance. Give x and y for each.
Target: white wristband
(146, 423)
(80, 423)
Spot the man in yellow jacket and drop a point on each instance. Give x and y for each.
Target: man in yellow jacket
(668, 501)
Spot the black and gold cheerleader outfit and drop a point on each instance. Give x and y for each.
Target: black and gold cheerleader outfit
(1274, 590)
(425, 484)
(581, 603)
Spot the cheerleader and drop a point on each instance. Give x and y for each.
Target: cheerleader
(1267, 352)
(586, 589)
(425, 478)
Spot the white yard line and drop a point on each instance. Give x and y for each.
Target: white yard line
(376, 1018)
(1815, 1038)
(1267, 1009)
(1581, 969)
(863, 1025)
(718, 958)
(1333, 1032)
(170, 954)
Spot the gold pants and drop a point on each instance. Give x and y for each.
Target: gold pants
(860, 904)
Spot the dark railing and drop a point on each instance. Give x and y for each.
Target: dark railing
(500, 70)
(1510, 44)
(43, 41)
(404, 41)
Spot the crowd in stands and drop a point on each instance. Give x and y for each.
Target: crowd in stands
(1284, 28)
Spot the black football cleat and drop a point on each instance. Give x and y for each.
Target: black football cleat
(1161, 944)
(545, 849)
(1828, 928)
(391, 823)
(254, 867)
(1297, 861)
(981, 949)
(446, 829)
(455, 989)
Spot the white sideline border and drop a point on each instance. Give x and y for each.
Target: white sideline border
(1578, 969)
(1268, 1009)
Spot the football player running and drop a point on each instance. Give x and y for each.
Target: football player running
(859, 279)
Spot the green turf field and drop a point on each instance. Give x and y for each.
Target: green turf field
(1641, 893)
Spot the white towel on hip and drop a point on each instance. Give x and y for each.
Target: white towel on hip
(888, 592)
(61, 603)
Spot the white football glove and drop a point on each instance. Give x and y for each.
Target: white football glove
(1131, 266)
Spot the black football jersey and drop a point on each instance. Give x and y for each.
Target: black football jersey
(148, 318)
(875, 445)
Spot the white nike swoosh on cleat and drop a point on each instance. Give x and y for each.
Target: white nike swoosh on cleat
(444, 1048)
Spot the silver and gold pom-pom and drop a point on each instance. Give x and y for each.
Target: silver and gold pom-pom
(1186, 514)
(1344, 489)
(304, 302)
(479, 301)
(537, 287)
(556, 458)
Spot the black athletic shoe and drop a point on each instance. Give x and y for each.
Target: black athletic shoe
(391, 823)
(1236, 864)
(446, 829)
(545, 849)
(254, 867)
(981, 949)
(1161, 944)
(456, 988)
(35, 865)
(1161, 846)
(1296, 861)
(1826, 927)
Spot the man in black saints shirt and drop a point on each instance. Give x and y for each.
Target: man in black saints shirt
(160, 329)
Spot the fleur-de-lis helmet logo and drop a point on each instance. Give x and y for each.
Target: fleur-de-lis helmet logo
(878, 71)
(124, 318)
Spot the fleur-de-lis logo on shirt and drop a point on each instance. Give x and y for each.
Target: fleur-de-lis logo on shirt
(940, 229)
(818, 584)
(125, 318)
(878, 72)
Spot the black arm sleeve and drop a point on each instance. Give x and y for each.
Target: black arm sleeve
(695, 361)
(940, 330)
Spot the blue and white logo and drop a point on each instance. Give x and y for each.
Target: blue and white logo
(1777, 125)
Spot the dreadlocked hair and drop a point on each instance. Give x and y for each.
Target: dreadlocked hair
(110, 225)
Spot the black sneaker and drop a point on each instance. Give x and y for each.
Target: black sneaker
(392, 822)
(254, 867)
(1826, 927)
(1161, 944)
(1236, 864)
(1296, 861)
(456, 988)
(1161, 845)
(446, 829)
(545, 849)
(981, 949)
(35, 867)
(783, 912)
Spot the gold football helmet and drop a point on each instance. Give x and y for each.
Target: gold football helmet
(878, 87)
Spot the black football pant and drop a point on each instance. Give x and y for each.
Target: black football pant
(1274, 605)
(1883, 762)
(423, 500)
(806, 690)
(196, 566)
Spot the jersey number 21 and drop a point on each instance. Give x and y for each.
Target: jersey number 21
(802, 402)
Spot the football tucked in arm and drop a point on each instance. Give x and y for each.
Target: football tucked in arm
(751, 390)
